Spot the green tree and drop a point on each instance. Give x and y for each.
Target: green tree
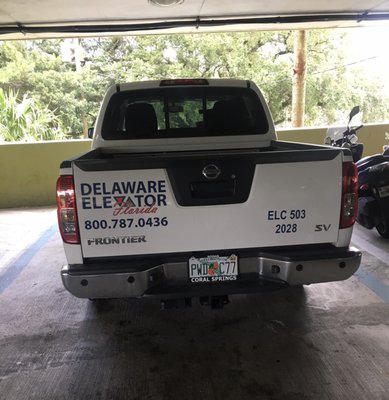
(25, 119)
(72, 87)
(36, 69)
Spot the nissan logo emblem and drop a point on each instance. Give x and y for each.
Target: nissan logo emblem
(211, 171)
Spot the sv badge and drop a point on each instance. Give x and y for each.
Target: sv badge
(322, 227)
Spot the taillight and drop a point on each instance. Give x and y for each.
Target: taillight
(67, 211)
(349, 207)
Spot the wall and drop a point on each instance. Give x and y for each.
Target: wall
(373, 136)
(28, 171)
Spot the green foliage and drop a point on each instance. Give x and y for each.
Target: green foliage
(25, 119)
(70, 76)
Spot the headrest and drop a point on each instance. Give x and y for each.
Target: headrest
(141, 120)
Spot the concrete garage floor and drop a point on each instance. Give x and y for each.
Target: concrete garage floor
(326, 341)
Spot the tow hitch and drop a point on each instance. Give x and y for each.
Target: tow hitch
(215, 302)
(176, 303)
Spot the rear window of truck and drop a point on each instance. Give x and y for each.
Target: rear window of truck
(183, 112)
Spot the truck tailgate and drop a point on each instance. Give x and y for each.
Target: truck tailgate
(207, 203)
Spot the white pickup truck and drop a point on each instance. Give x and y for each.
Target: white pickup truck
(187, 192)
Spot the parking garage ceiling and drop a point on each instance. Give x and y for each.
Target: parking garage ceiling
(23, 19)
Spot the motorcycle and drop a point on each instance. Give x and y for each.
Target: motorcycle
(373, 177)
(348, 138)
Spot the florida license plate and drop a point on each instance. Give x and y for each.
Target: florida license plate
(384, 191)
(213, 269)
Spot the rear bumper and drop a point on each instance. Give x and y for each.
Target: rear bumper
(261, 271)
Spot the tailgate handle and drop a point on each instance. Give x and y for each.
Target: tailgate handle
(213, 190)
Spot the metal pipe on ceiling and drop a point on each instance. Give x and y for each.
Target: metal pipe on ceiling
(111, 26)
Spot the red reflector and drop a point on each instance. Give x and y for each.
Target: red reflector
(349, 207)
(183, 82)
(66, 210)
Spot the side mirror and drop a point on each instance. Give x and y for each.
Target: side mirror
(90, 133)
(353, 113)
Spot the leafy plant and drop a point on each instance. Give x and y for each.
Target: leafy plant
(25, 119)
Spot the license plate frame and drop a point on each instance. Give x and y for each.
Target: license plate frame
(383, 191)
(213, 268)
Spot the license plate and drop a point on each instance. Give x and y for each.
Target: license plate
(213, 269)
(384, 191)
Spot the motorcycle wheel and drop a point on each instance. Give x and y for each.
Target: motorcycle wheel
(383, 229)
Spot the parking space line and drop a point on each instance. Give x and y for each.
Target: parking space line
(367, 278)
(374, 284)
(370, 247)
(16, 267)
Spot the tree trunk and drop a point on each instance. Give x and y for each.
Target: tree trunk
(299, 74)
(85, 126)
(77, 54)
